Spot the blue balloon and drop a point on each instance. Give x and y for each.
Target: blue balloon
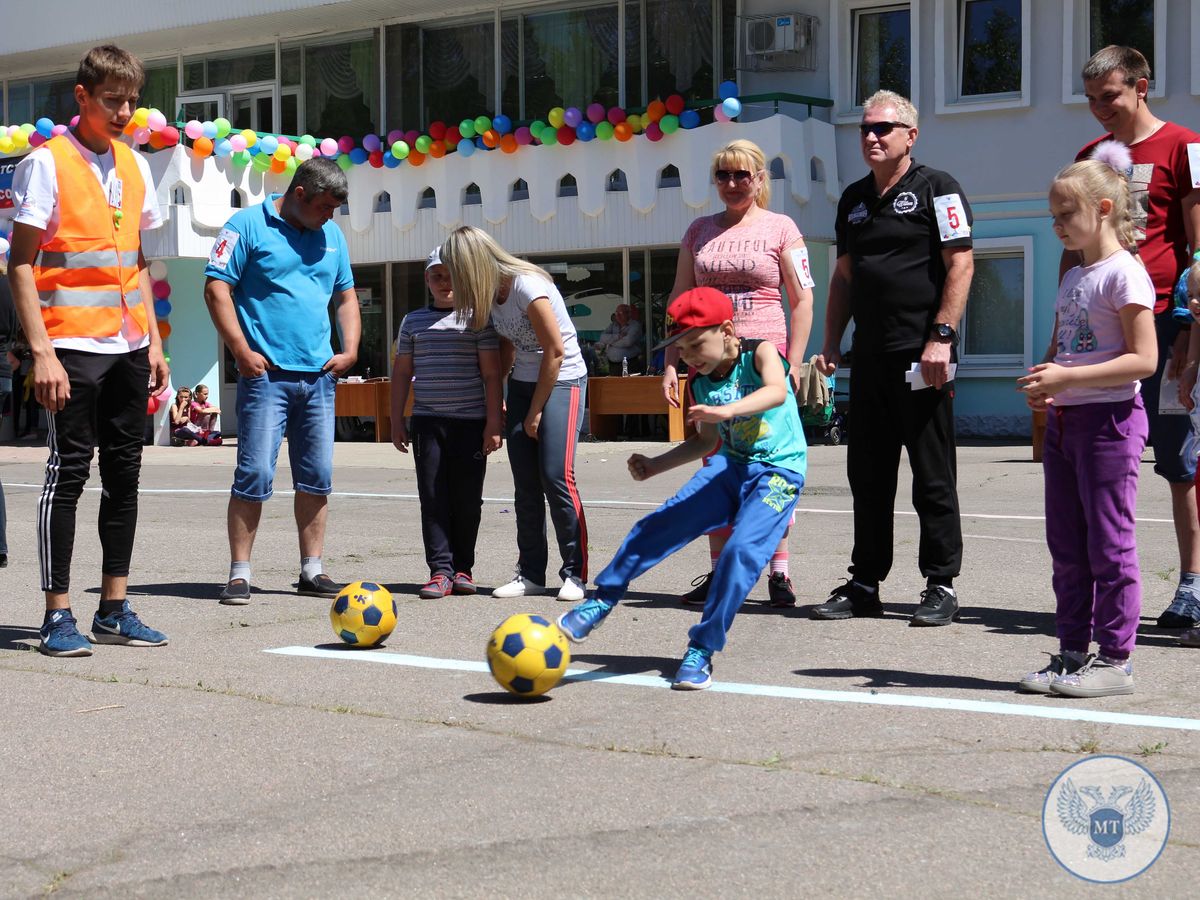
(390, 161)
(480, 145)
(253, 150)
(689, 118)
(210, 130)
(502, 124)
(727, 89)
(44, 126)
(358, 156)
(222, 148)
(162, 308)
(585, 131)
(732, 107)
(465, 148)
(267, 144)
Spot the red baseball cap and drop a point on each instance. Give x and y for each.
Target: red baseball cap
(698, 307)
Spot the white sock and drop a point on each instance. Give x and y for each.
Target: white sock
(311, 567)
(240, 569)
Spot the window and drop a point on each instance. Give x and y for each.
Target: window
(882, 51)
(341, 87)
(982, 49)
(28, 101)
(873, 46)
(592, 287)
(162, 83)
(458, 72)
(569, 58)
(679, 48)
(994, 325)
(1092, 25)
(243, 66)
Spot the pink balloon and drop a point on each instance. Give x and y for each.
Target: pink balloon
(329, 147)
(59, 129)
(193, 129)
(237, 143)
(74, 121)
(524, 136)
(345, 143)
(36, 139)
(141, 136)
(719, 114)
(156, 121)
(654, 132)
(410, 137)
(595, 113)
(160, 289)
(616, 115)
(394, 135)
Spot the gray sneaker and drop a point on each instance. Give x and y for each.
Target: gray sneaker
(1095, 678)
(1060, 664)
(1190, 638)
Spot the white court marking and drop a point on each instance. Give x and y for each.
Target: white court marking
(634, 504)
(874, 698)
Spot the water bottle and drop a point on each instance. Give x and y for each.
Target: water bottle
(624, 366)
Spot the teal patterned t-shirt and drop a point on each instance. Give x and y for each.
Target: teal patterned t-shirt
(774, 437)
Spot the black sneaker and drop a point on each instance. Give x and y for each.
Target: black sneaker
(235, 593)
(938, 606)
(849, 600)
(779, 591)
(321, 586)
(698, 595)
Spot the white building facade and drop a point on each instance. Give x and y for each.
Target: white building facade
(996, 82)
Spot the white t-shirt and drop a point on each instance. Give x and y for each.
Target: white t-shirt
(511, 320)
(35, 195)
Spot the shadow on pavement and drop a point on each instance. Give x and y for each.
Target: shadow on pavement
(1008, 621)
(16, 637)
(887, 678)
(629, 665)
(504, 698)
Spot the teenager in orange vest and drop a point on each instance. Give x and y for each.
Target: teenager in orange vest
(82, 292)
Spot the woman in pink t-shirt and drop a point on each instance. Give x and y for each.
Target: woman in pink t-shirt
(751, 254)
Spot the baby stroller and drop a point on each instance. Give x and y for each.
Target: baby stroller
(819, 412)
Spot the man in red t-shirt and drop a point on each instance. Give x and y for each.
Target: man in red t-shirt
(1163, 182)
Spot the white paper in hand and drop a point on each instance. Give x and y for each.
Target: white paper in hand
(1168, 398)
(917, 382)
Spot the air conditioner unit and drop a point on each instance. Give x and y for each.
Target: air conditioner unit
(770, 34)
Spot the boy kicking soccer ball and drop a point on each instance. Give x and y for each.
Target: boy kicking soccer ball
(744, 405)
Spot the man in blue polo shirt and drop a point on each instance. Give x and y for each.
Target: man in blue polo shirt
(271, 275)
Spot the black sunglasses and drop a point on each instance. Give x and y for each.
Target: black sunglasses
(740, 176)
(880, 129)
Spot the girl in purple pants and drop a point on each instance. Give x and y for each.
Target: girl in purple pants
(1096, 429)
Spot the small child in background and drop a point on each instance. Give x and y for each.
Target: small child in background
(1096, 429)
(204, 417)
(744, 401)
(183, 432)
(457, 420)
(1190, 282)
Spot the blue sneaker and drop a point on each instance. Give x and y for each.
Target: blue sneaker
(577, 623)
(1184, 611)
(695, 672)
(61, 637)
(125, 628)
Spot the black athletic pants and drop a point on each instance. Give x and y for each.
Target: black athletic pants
(885, 415)
(450, 464)
(107, 409)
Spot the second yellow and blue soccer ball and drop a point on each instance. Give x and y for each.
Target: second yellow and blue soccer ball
(363, 614)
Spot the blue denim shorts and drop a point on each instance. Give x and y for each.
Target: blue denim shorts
(278, 403)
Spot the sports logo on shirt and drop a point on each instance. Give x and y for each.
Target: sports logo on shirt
(858, 214)
(905, 202)
(951, 217)
(223, 249)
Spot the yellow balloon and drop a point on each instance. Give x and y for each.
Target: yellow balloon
(141, 116)
(555, 116)
(6, 144)
(251, 137)
(282, 152)
(20, 140)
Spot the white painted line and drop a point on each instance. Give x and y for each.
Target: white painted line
(874, 698)
(634, 504)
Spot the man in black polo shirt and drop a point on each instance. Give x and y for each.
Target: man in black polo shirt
(903, 270)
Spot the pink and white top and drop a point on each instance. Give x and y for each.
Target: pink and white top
(1090, 300)
(745, 262)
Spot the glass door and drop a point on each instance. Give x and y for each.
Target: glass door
(201, 107)
(252, 108)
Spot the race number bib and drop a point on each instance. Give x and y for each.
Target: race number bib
(223, 249)
(800, 264)
(1194, 163)
(951, 217)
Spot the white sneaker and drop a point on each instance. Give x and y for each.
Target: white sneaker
(518, 587)
(572, 590)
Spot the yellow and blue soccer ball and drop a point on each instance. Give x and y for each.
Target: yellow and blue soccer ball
(528, 655)
(364, 614)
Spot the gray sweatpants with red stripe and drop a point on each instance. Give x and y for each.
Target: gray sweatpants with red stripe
(544, 473)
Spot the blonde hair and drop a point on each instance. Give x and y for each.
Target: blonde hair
(905, 110)
(478, 268)
(1090, 181)
(748, 155)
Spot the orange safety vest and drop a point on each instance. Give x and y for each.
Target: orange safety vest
(87, 273)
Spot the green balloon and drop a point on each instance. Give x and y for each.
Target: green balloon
(467, 128)
(423, 143)
(604, 131)
(308, 139)
(262, 162)
(166, 358)
(669, 124)
(344, 161)
(290, 166)
(400, 150)
(223, 127)
(241, 158)
(548, 136)
(535, 128)
(482, 124)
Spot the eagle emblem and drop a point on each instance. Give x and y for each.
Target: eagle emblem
(1106, 820)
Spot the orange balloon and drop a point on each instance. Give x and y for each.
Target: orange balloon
(131, 127)
(278, 166)
(202, 147)
(490, 138)
(656, 110)
(622, 131)
(157, 141)
(437, 149)
(508, 143)
(164, 329)
(415, 157)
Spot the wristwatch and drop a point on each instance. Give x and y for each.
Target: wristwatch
(944, 332)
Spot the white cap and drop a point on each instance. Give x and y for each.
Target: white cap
(434, 258)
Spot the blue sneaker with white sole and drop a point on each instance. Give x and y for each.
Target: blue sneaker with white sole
(577, 623)
(695, 672)
(126, 628)
(61, 637)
